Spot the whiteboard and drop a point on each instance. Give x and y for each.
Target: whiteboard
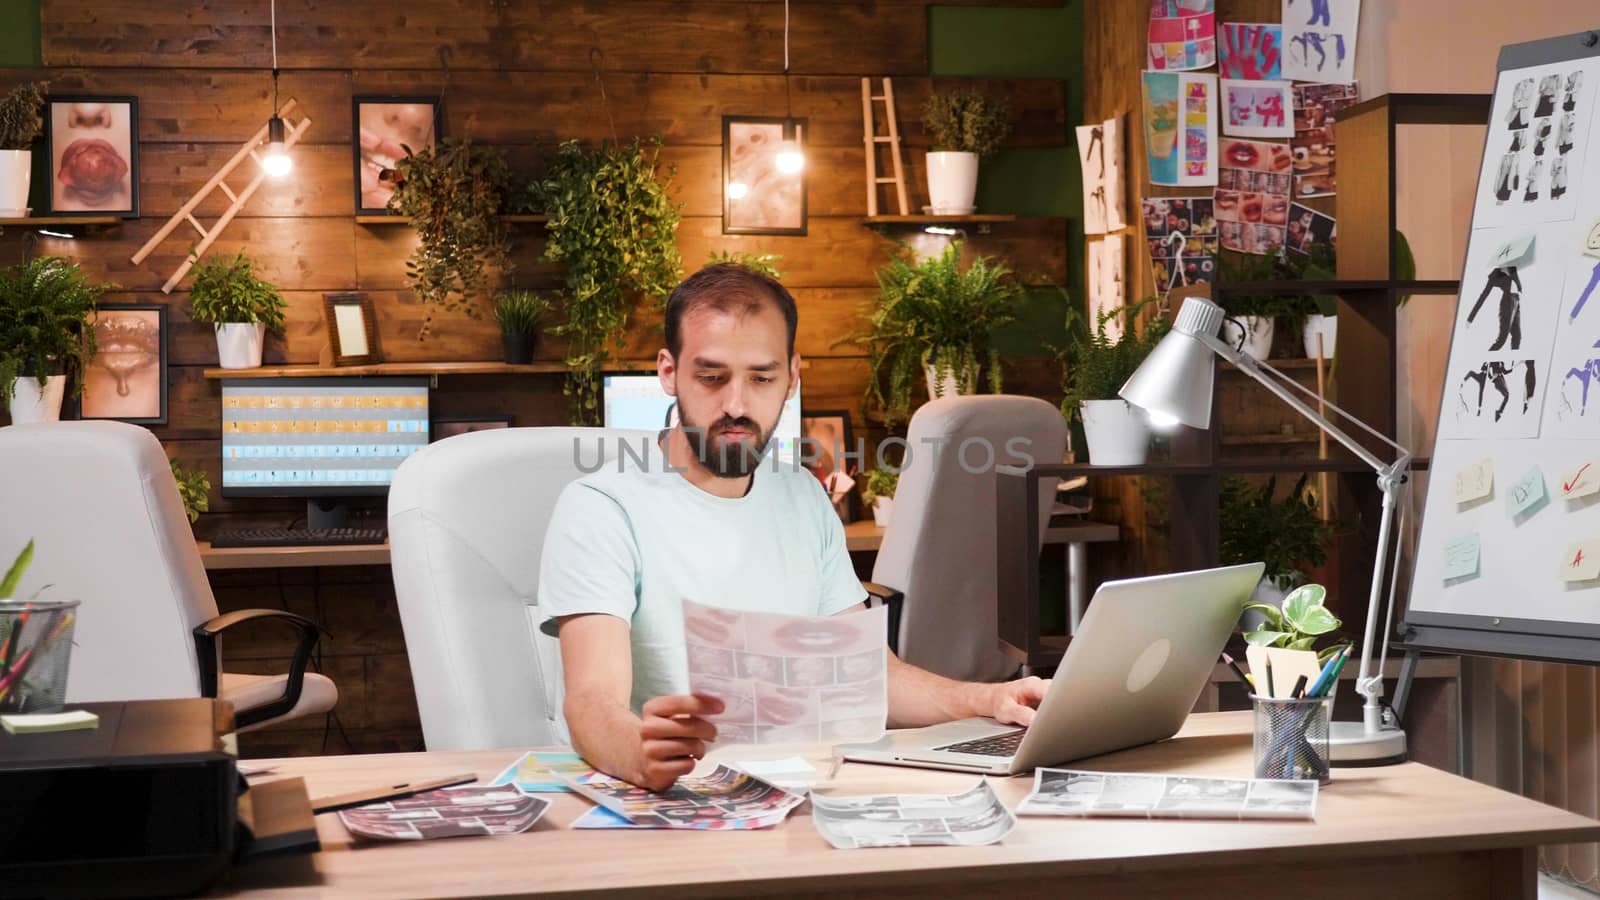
(1510, 536)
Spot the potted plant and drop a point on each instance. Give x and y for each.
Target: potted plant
(613, 224)
(964, 125)
(1303, 619)
(194, 488)
(1284, 534)
(20, 125)
(518, 313)
(45, 336)
(239, 306)
(454, 192)
(1312, 316)
(1095, 368)
(877, 491)
(935, 317)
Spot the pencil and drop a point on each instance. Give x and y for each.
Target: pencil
(1238, 672)
(1271, 691)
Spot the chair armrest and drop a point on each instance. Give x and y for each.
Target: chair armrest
(887, 596)
(208, 650)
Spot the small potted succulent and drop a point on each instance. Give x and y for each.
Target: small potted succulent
(518, 313)
(45, 336)
(965, 126)
(227, 294)
(877, 491)
(20, 124)
(1095, 368)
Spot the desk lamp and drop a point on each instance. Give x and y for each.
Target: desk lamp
(1174, 386)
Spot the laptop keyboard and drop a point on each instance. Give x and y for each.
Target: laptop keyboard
(997, 745)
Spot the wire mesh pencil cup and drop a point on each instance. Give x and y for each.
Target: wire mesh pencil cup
(35, 648)
(1291, 738)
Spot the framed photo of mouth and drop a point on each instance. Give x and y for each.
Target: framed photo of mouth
(384, 127)
(92, 143)
(126, 379)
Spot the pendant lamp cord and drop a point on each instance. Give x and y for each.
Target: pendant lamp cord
(788, 105)
(275, 57)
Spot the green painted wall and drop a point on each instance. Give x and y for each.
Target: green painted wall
(979, 42)
(19, 33)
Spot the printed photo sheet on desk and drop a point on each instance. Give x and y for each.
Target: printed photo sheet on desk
(1512, 524)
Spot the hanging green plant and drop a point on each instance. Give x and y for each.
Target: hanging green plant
(454, 193)
(613, 225)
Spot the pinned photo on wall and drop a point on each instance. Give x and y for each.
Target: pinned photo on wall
(1250, 51)
(1493, 398)
(1183, 35)
(1257, 109)
(1182, 235)
(1100, 159)
(1537, 143)
(1510, 296)
(1180, 124)
(1252, 198)
(1316, 108)
(1308, 226)
(1319, 40)
(1574, 407)
(1107, 266)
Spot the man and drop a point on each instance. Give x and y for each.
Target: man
(714, 522)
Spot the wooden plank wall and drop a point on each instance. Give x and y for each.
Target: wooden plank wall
(520, 75)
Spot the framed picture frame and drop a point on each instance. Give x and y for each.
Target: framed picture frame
(126, 379)
(757, 198)
(92, 150)
(452, 426)
(382, 127)
(830, 429)
(352, 328)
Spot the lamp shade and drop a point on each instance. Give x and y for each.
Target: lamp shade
(1174, 382)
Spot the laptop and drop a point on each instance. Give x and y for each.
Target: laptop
(1135, 668)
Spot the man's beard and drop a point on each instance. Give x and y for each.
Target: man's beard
(721, 457)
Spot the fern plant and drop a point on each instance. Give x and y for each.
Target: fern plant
(764, 263)
(1095, 367)
(45, 307)
(1283, 534)
(195, 490)
(454, 193)
(966, 121)
(933, 314)
(614, 226)
(519, 311)
(226, 290)
(21, 119)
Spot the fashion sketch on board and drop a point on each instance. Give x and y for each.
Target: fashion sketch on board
(1505, 378)
(1503, 279)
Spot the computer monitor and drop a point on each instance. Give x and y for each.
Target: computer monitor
(325, 439)
(637, 401)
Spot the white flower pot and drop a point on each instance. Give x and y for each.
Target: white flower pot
(955, 383)
(1257, 336)
(32, 403)
(239, 344)
(16, 169)
(1325, 326)
(1118, 434)
(952, 182)
(881, 507)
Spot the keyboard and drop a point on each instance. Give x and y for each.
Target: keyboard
(996, 745)
(298, 537)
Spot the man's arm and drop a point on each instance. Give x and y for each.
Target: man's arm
(651, 751)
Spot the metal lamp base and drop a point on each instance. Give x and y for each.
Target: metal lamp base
(1351, 744)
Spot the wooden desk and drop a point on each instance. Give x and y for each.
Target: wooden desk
(1400, 831)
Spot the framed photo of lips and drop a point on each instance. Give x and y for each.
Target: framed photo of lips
(384, 128)
(127, 377)
(92, 144)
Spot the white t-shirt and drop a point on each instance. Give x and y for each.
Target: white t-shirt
(635, 543)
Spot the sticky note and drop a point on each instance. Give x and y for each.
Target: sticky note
(1475, 482)
(1461, 557)
(1582, 561)
(40, 723)
(1582, 481)
(1526, 494)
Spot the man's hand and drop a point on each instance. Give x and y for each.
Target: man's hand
(672, 736)
(1014, 702)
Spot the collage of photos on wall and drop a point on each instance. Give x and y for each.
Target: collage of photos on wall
(1182, 235)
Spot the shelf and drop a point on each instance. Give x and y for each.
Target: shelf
(423, 368)
(80, 221)
(1268, 438)
(1285, 364)
(1337, 286)
(402, 220)
(975, 219)
(1194, 470)
(1427, 109)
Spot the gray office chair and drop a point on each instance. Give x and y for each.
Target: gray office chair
(939, 548)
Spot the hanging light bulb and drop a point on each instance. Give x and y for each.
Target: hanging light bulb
(790, 160)
(277, 161)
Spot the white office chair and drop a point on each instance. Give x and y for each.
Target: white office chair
(467, 520)
(99, 502)
(939, 548)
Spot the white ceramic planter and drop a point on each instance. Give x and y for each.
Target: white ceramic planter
(239, 344)
(31, 402)
(952, 182)
(955, 383)
(1327, 327)
(1118, 434)
(16, 169)
(1257, 336)
(881, 507)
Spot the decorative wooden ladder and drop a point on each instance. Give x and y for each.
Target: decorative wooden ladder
(872, 139)
(249, 149)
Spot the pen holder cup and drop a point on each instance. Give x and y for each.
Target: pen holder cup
(1291, 738)
(35, 647)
